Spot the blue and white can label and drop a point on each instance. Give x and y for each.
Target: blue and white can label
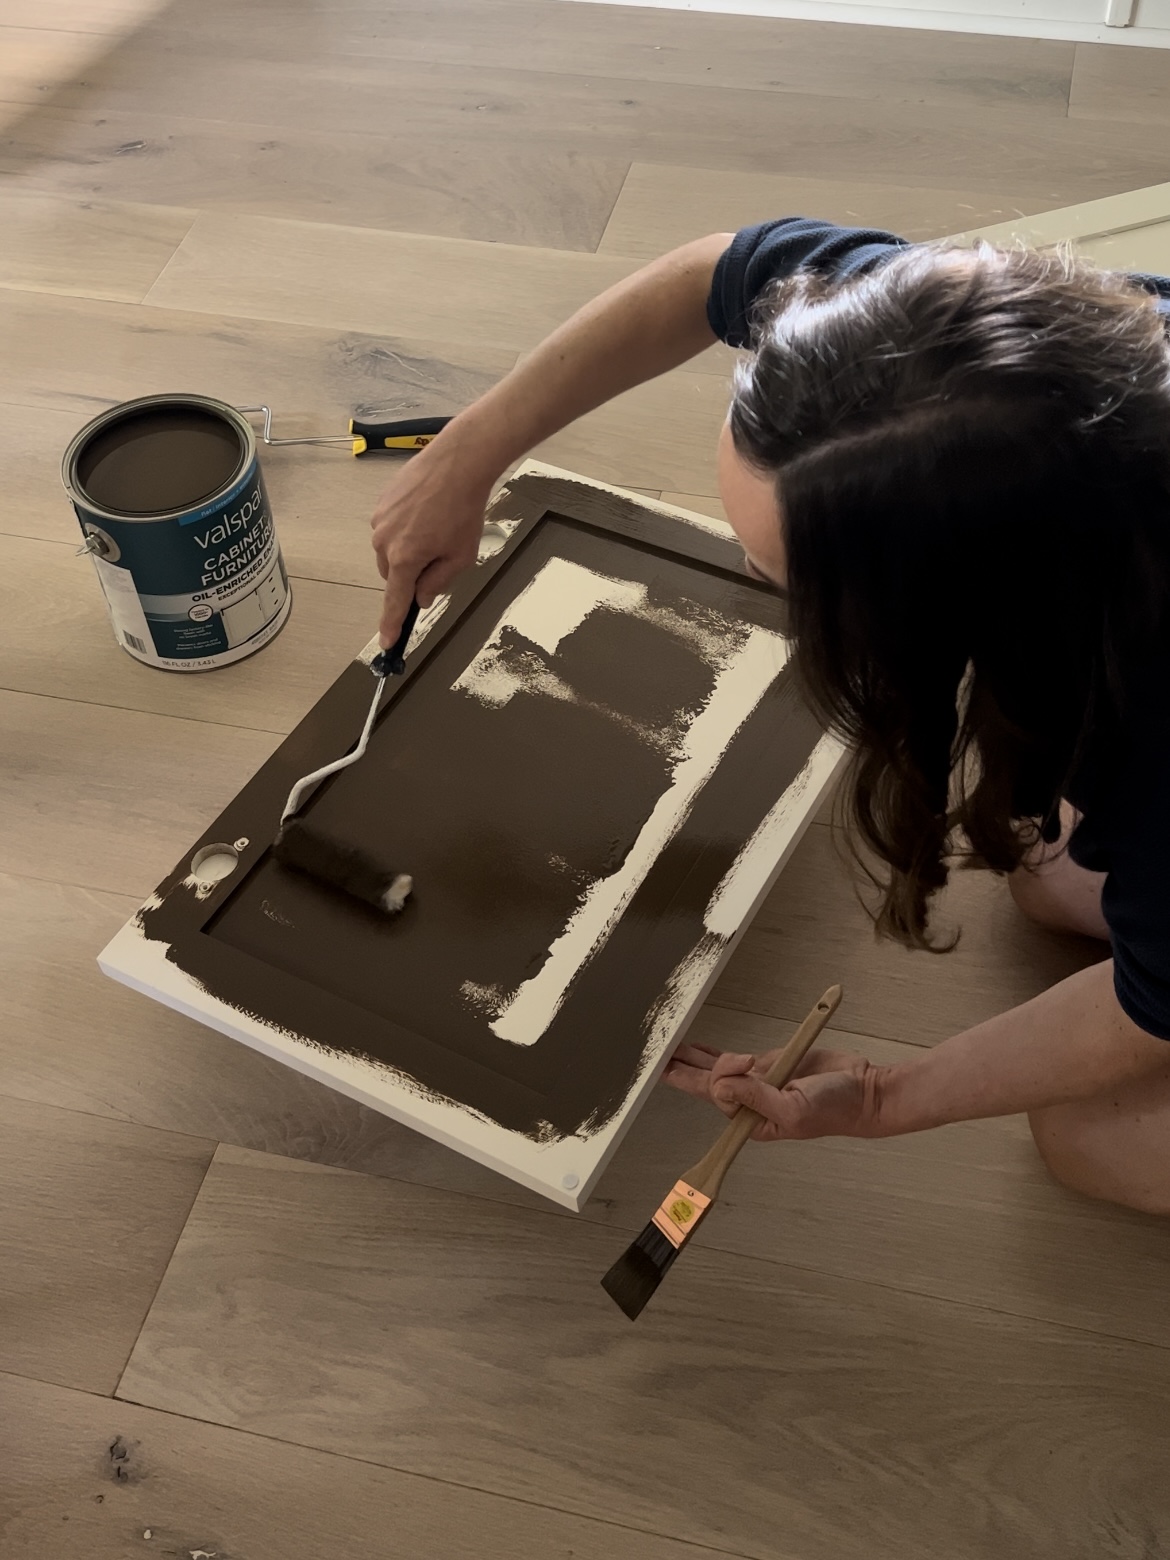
(170, 497)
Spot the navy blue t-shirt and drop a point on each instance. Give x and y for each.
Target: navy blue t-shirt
(1126, 828)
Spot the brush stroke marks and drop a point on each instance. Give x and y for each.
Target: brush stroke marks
(556, 601)
(738, 689)
(739, 893)
(736, 898)
(552, 606)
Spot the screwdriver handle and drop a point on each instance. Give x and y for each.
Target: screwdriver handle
(392, 662)
(410, 433)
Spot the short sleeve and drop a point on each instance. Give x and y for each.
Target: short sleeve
(770, 251)
(1159, 286)
(1132, 840)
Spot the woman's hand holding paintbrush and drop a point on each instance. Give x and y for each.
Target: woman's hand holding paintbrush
(643, 1265)
(832, 1093)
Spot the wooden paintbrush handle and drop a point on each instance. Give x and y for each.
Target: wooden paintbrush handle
(707, 1175)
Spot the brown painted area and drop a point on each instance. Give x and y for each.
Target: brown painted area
(502, 816)
(161, 458)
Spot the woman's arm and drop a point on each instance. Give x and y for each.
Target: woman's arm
(1070, 1043)
(428, 522)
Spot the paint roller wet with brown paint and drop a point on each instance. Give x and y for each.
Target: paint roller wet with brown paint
(344, 863)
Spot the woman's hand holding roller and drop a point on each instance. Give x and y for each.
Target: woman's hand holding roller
(428, 522)
(426, 529)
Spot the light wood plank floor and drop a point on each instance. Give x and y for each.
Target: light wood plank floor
(242, 1315)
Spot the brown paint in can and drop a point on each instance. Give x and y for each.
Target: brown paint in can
(170, 498)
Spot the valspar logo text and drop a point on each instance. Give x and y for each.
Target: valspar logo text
(234, 542)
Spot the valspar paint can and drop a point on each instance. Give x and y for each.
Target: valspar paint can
(172, 504)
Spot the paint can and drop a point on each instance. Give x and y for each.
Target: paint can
(172, 505)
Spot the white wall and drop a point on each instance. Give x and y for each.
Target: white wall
(1081, 21)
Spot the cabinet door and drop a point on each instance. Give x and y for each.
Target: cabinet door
(1128, 232)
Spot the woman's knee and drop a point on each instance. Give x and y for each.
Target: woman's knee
(1061, 895)
(1033, 896)
(1093, 1149)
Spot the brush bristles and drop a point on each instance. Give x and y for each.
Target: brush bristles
(640, 1269)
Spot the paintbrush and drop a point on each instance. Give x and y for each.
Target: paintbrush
(641, 1268)
(339, 862)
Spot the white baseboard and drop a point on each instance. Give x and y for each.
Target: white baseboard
(872, 15)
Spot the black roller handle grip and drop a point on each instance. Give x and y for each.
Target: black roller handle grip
(411, 433)
(392, 662)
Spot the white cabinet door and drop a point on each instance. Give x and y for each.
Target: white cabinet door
(1128, 232)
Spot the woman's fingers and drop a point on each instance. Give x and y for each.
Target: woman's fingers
(695, 1081)
(729, 1084)
(785, 1109)
(828, 1093)
(691, 1080)
(734, 1089)
(438, 577)
(396, 599)
(696, 1055)
(830, 1103)
(426, 529)
(730, 1064)
(690, 1070)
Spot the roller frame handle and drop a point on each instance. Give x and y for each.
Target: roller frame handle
(392, 662)
(410, 433)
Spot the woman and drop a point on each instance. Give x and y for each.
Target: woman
(957, 465)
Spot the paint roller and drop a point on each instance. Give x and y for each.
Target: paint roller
(311, 848)
(365, 437)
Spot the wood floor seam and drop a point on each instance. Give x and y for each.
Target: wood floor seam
(47, 27)
(714, 1252)
(928, 1296)
(330, 1455)
(59, 882)
(1015, 114)
(934, 1297)
(795, 1017)
(293, 574)
(430, 1478)
(999, 114)
(162, 1275)
(170, 261)
(613, 207)
(134, 709)
(126, 1121)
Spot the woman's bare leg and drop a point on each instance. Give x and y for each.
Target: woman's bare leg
(1115, 1146)
(1052, 889)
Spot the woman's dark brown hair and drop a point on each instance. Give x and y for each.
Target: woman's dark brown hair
(972, 458)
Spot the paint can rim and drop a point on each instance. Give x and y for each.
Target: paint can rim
(83, 437)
